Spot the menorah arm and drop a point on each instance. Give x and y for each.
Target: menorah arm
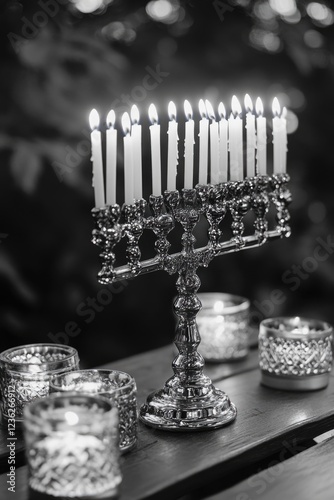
(154, 264)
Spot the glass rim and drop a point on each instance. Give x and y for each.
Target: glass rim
(318, 328)
(30, 411)
(241, 303)
(105, 371)
(20, 367)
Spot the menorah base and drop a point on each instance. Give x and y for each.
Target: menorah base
(163, 411)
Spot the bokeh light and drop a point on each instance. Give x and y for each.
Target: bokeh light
(321, 13)
(284, 7)
(163, 11)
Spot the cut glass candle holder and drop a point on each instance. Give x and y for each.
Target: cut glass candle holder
(72, 446)
(115, 385)
(25, 373)
(295, 354)
(223, 322)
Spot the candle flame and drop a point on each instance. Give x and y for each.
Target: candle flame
(172, 111)
(276, 107)
(248, 104)
(284, 112)
(210, 110)
(259, 106)
(153, 114)
(221, 110)
(134, 114)
(111, 119)
(202, 109)
(94, 119)
(126, 123)
(71, 417)
(236, 106)
(188, 110)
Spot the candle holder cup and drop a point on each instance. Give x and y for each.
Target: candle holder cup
(295, 354)
(25, 373)
(72, 446)
(115, 385)
(189, 401)
(223, 322)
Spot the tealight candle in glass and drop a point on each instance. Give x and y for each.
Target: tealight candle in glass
(72, 446)
(25, 373)
(112, 384)
(295, 354)
(223, 325)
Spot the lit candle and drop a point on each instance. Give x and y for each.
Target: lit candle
(128, 160)
(214, 144)
(276, 135)
(223, 150)
(235, 141)
(285, 140)
(251, 137)
(279, 138)
(155, 150)
(203, 143)
(261, 151)
(94, 121)
(111, 158)
(136, 151)
(189, 142)
(173, 152)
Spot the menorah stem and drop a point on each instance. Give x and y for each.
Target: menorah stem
(188, 365)
(189, 401)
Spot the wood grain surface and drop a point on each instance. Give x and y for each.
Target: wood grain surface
(168, 465)
(308, 475)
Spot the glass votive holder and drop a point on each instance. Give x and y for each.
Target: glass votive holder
(113, 384)
(25, 373)
(223, 325)
(72, 446)
(295, 354)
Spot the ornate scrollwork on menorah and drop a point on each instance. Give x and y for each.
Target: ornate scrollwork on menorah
(189, 400)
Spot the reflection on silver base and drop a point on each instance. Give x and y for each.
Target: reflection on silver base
(311, 383)
(163, 411)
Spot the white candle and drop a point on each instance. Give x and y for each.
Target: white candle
(236, 141)
(128, 160)
(276, 135)
(155, 150)
(111, 158)
(189, 142)
(279, 138)
(94, 121)
(223, 137)
(251, 137)
(285, 140)
(137, 154)
(261, 151)
(173, 153)
(203, 144)
(214, 144)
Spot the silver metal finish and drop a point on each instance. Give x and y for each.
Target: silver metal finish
(189, 401)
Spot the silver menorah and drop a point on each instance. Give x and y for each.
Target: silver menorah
(189, 400)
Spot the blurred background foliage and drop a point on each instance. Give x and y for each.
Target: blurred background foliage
(61, 58)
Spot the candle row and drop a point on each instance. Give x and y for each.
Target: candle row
(220, 139)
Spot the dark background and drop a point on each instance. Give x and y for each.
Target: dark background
(56, 67)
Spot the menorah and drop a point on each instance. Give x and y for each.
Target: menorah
(189, 401)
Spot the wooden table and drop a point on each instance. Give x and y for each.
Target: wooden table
(273, 432)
